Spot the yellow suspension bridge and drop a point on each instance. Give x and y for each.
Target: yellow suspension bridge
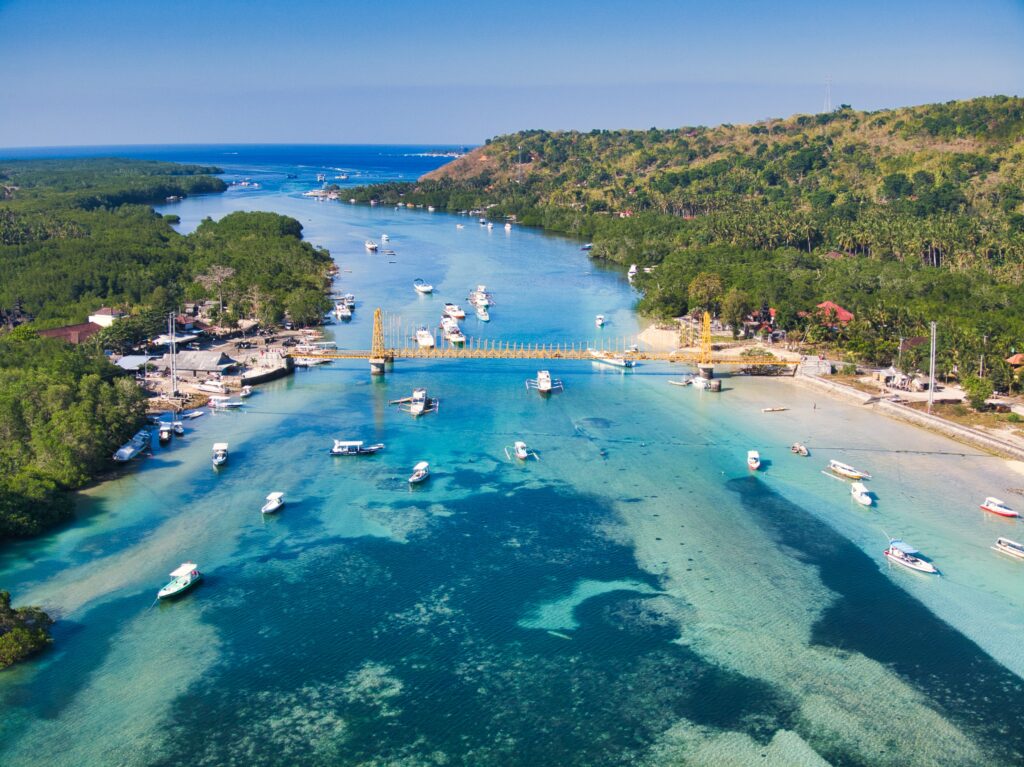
(380, 352)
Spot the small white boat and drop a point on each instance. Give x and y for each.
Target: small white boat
(431, 209)
(490, 224)
(133, 447)
(631, 274)
(274, 503)
(213, 387)
(773, 409)
(700, 382)
(1006, 546)
(371, 246)
(482, 314)
(342, 311)
(520, 452)
(479, 296)
(860, 493)
(178, 427)
(904, 554)
(615, 360)
(349, 300)
(456, 337)
(799, 448)
(164, 433)
(184, 578)
(422, 287)
(587, 246)
(599, 320)
(223, 403)
(544, 383)
(685, 382)
(420, 472)
(996, 506)
(483, 221)
(508, 227)
(355, 447)
(220, 454)
(460, 226)
(454, 311)
(385, 238)
(753, 460)
(845, 470)
(424, 338)
(245, 392)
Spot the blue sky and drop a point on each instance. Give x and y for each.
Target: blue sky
(335, 71)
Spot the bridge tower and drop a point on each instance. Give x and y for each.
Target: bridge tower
(704, 363)
(379, 354)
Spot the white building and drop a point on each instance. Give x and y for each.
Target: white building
(105, 317)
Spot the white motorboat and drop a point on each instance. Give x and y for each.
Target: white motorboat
(903, 553)
(482, 314)
(431, 209)
(454, 311)
(845, 470)
(483, 221)
(420, 472)
(460, 226)
(615, 360)
(371, 246)
(599, 320)
(220, 454)
(178, 427)
(520, 451)
(544, 383)
(490, 224)
(213, 386)
(753, 460)
(424, 338)
(355, 447)
(422, 287)
(508, 227)
(274, 503)
(456, 337)
(479, 296)
(860, 493)
(996, 506)
(223, 403)
(164, 433)
(700, 382)
(385, 238)
(133, 447)
(1006, 546)
(350, 300)
(342, 311)
(631, 274)
(245, 392)
(184, 578)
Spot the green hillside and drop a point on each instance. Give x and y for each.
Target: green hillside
(902, 215)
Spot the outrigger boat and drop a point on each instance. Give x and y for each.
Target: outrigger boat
(1006, 546)
(418, 404)
(615, 360)
(355, 447)
(996, 506)
(845, 470)
(422, 287)
(184, 577)
(521, 451)
(799, 448)
(753, 460)
(220, 454)
(274, 503)
(860, 493)
(904, 554)
(420, 473)
(544, 383)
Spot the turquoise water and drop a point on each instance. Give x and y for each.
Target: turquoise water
(633, 597)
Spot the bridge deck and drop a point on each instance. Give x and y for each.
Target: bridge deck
(534, 353)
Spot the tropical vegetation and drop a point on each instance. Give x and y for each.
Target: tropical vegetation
(24, 631)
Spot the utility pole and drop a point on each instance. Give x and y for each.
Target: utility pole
(981, 372)
(931, 370)
(172, 330)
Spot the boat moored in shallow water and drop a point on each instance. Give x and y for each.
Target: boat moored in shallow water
(860, 493)
(753, 460)
(1006, 546)
(220, 454)
(422, 287)
(799, 448)
(420, 473)
(184, 578)
(521, 452)
(424, 338)
(371, 246)
(615, 360)
(544, 383)
(996, 506)
(355, 447)
(599, 320)
(454, 311)
(845, 470)
(274, 503)
(903, 553)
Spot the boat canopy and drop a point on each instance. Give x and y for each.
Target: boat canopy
(421, 466)
(217, 446)
(275, 496)
(350, 443)
(903, 546)
(184, 569)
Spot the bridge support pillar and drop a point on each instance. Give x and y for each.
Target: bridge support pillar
(706, 371)
(377, 366)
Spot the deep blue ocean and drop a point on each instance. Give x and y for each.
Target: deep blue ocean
(634, 597)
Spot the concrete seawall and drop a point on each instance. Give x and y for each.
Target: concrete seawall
(933, 423)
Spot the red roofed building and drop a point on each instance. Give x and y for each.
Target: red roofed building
(73, 334)
(830, 309)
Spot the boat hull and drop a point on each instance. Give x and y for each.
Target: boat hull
(1006, 513)
(176, 590)
(918, 567)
